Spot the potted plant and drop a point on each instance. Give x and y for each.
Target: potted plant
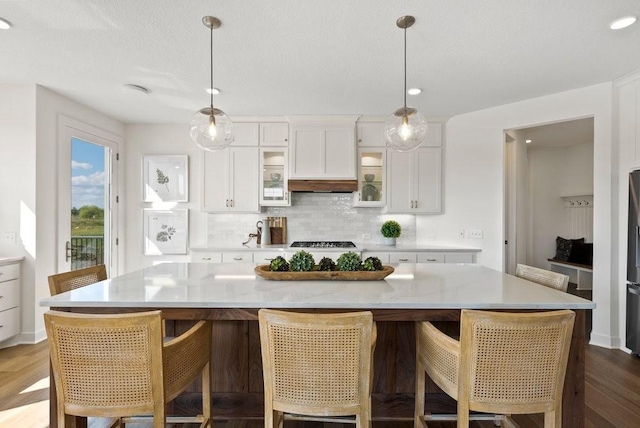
(390, 231)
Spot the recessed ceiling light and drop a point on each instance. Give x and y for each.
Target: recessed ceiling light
(215, 91)
(623, 22)
(137, 88)
(414, 91)
(528, 141)
(4, 24)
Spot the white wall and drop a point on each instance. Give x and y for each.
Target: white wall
(555, 172)
(474, 185)
(18, 182)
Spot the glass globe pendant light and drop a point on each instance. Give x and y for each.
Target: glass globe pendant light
(406, 128)
(210, 128)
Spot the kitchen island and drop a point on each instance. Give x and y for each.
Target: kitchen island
(231, 294)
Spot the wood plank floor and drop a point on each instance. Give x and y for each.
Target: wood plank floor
(612, 393)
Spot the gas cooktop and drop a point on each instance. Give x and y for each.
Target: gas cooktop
(323, 244)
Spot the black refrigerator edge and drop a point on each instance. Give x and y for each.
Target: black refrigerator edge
(633, 265)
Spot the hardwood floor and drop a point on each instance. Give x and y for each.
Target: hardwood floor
(612, 393)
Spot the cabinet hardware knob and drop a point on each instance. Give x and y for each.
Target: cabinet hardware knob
(1, 326)
(404, 260)
(416, 204)
(431, 260)
(232, 202)
(286, 139)
(206, 258)
(237, 258)
(268, 259)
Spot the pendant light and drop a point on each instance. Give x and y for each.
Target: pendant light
(210, 128)
(406, 128)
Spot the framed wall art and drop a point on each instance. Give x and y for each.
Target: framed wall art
(165, 178)
(165, 231)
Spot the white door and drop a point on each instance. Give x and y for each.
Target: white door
(87, 197)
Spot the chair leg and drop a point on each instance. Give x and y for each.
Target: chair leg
(206, 394)
(418, 416)
(463, 414)
(553, 419)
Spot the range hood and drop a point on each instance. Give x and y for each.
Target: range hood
(323, 186)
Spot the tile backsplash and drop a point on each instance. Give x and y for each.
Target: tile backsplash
(313, 217)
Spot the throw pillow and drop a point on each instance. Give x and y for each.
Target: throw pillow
(581, 253)
(563, 247)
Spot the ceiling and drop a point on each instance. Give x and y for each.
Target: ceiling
(561, 134)
(280, 57)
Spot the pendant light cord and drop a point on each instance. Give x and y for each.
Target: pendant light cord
(405, 70)
(211, 69)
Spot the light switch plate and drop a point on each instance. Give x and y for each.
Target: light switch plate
(10, 237)
(473, 233)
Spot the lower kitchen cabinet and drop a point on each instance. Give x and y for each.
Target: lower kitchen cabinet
(206, 257)
(237, 257)
(9, 300)
(421, 256)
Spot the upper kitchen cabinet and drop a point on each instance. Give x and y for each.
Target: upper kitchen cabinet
(245, 134)
(322, 148)
(274, 176)
(274, 134)
(415, 181)
(371, 134)
(230, 180)
(372, 162)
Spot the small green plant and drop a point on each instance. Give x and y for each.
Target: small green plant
(390, 229)
(279, 264)
(372, 263)
(326, 264)
(349, 261)
(301, 262)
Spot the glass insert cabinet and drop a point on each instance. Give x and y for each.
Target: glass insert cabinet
(273, 183)
(371, 177)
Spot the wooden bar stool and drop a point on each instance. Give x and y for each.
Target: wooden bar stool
(317, 366)
(544, 277)
(504, 363)
(118, 366)
(67, 281)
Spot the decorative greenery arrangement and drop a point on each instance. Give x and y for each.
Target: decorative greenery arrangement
(279, 264)
(372, 263)
(390, 229)
(349, 261)
(302, 262)
(326, 264)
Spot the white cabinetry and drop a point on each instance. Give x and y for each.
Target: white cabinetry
(9, 300)
(274, 176)
(322, 150)
(421, 256)
(414, 181)
(230, 180)
(206, 256)
(274, 134)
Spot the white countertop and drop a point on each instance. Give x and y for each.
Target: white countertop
(235, 285)
(359, 247)
(9, 260)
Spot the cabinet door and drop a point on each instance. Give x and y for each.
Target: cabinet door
(371, 134)
(431, 257)
(399, 182)
(265, 257)
(206, 257)
(307, 153)
(458, 257)
(323, 152)
(427, 181)
(244, 165)
(403, 257)
(371, 177)
(245, 134)
(239, 257)
(384, 257)
(274, 134)
(340, 153)
(215, 181)
(274, 176)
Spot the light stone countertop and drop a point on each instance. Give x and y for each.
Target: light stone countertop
(235, 285)
(9, 260)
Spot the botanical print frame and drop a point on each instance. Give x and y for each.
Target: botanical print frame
(165, 231)
(165, 178)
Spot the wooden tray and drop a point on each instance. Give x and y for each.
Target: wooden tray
(336, 275)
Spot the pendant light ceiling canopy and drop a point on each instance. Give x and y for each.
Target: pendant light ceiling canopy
(210, 128)
(406, 128)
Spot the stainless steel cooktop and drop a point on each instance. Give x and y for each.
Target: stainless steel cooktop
(323, 244)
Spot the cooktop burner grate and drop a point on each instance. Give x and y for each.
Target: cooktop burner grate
(323, 244)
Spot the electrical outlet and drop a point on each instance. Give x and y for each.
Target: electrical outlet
(366, 236)
(473, 233)
(10, 237)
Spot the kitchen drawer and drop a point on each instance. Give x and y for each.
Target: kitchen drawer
(458, 258)
(384, 257)
(245, 257)
(9, 323)
(204, 257)
(9, 294)
(431, 258)
(265, 257)
(9, 272)
(402, 257)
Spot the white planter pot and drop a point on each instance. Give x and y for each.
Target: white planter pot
(389, 241)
